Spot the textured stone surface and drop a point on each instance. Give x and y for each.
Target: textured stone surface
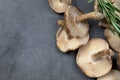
(27, 42)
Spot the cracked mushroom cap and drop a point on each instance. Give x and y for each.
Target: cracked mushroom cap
(65, 44)
(76, 29)
(113, 39)
(59, 6)
(112, 75)
(94, 59)
(118, 61)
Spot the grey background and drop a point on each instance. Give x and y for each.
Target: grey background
(27, 42)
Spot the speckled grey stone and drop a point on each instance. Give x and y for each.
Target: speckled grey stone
(27, 42)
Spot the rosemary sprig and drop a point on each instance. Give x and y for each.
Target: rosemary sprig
(108, 10)
(89, 1)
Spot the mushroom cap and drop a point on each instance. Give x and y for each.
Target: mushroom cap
(65, 44)
(112, 75)
(113, 39)
(59, 6)
(117, 5)
(76, 29)
(118, 61)
(88, 61)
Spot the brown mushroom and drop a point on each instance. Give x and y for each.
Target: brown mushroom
(73, 34)
(117, 5)
(94, 58)
(59, 6)
(76, 29)
(118, 60)
(64, 43)
(112, 75)
(76, 22)
(113, 39)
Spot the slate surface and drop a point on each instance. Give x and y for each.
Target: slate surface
(27, 42)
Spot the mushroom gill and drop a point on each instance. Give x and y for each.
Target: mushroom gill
(93, 56)
(65, 44)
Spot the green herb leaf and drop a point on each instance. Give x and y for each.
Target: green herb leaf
(89, 1)
(108, 10)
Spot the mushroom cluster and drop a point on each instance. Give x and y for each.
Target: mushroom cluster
(94, 56)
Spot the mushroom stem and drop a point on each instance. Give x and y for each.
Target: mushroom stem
(101, 54)
(96, 6)
(91, 15)
(103, 24)
(61, 23)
